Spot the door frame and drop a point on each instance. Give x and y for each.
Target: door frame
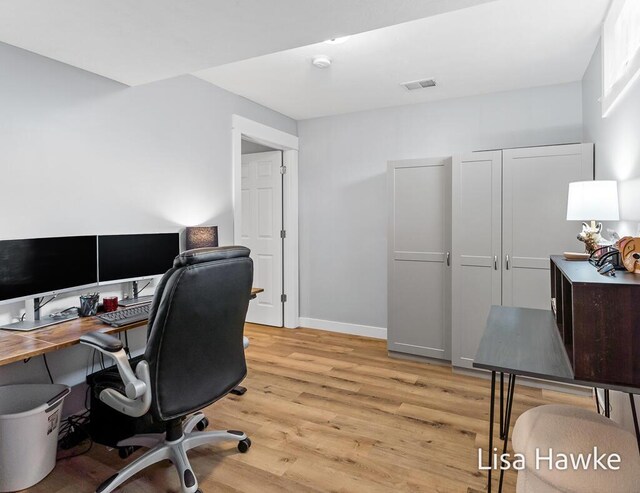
(288, 144)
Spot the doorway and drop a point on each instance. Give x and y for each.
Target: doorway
(265, 199)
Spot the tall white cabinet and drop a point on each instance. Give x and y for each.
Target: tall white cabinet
(419, 278)
(476, 248)
(508, 215)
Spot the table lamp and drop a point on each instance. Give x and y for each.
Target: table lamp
(202, 236)
(592, 201)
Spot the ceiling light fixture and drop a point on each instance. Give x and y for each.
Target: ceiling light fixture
(321, 61)
(337, 41)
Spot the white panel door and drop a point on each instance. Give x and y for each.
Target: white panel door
(476, 212)
(261, 226)
(535, 186)
(419, 244)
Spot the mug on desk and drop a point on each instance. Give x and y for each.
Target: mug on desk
(110, 303)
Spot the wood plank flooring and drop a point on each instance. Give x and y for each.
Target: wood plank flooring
(331, 413)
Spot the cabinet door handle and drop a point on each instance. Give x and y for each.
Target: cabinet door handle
(495, 262)
(448, 259)
(506, 262)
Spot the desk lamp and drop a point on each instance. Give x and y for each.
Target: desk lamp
(592, 201)
(202, 236)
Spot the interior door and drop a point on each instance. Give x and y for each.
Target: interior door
(476, 212)
(261, 232)
(535, 186)
(419, 244)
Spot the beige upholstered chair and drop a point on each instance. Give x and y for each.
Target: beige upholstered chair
(573, 430)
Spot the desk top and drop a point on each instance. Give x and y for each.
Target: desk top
(523, 341)
(18, 346)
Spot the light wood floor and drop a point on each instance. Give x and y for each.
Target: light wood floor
(331, 413)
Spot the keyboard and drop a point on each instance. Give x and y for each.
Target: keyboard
(126, 316)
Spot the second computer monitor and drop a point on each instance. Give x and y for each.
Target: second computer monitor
(130, 257)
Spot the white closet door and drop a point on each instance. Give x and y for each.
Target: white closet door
(476, 212)
(261, 226)
(419, 244)
(535, 186)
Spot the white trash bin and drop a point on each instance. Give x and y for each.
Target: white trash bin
(29, 423)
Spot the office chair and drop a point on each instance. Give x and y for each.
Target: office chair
(194, 356)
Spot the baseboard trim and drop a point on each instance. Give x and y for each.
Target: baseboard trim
(344, 328)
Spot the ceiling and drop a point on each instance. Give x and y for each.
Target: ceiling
(140, 41)
(491, 47)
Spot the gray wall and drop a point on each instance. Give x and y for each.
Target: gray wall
(617, 143)
(81, 154)
(343, 205)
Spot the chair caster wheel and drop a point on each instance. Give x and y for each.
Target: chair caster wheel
(244, 445)
(202, 424)
(125, 452)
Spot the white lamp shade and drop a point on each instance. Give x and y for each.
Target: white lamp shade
(593, 201)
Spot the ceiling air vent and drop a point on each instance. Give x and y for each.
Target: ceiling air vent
(419, 84)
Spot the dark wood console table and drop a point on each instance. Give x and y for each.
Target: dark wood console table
(598, 319)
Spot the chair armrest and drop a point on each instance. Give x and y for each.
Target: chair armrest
(137, 386)
(102, 341)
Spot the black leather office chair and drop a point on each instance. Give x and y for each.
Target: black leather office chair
(194, 356)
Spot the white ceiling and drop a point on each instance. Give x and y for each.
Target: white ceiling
(496, 46)
(139, 41)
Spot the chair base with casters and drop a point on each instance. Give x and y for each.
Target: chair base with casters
(173, 446)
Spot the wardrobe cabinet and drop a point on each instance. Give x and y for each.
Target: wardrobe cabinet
(509, 215)
(419, 277)
(476, 249)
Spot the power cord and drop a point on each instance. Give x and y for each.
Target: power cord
(46, 364)
(48, 301)
(73, 431)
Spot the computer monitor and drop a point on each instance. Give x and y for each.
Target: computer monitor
(40, 266)
(132, 257)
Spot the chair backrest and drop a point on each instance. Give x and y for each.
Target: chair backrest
(194, 349)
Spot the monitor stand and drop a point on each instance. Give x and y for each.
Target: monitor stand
(28, 325)
(140, 300)
(135, 299)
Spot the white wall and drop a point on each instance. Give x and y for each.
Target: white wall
(617, 143)
(343, 205)
(617, 140)
(81, 154)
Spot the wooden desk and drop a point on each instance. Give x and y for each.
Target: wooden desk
(18, 346)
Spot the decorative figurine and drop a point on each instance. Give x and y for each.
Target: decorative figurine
(591, 237)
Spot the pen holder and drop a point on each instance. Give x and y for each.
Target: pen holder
(88, 305)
